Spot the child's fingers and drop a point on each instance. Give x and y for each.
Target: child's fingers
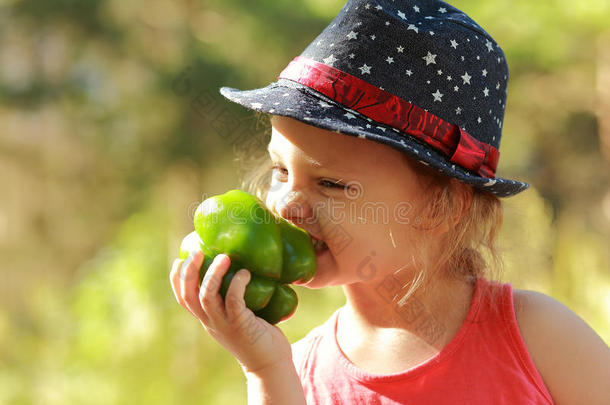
(175, 275)
(174, 279)
(209, 298)
(234, 300)
(189, 277)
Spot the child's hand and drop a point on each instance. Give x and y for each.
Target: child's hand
(253, 341)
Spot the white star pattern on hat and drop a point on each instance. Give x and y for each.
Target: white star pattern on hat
(364, 69)
(438, 96)
(466, 77)
(430, 58)
(330, 60)
(489, 46)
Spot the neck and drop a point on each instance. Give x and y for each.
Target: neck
(429, 317)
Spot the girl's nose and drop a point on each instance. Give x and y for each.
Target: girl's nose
(294, 206)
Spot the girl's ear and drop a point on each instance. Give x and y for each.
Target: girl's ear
(435, 209)
(462, 198)
(446, 206)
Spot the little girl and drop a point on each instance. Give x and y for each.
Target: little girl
(384, 147)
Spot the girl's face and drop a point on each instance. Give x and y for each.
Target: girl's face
(358, 196)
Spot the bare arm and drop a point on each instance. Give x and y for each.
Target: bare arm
(275, 384)
(572, 359)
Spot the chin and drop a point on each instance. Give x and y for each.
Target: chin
(312, 284)
(317, 282)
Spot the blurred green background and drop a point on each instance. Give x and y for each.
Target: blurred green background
(112, 130)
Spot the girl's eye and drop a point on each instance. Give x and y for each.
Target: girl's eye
(332, 184)
(325, 183)
(279, 169)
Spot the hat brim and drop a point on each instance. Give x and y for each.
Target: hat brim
(291, 99)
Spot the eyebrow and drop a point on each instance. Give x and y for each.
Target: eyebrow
(313, 163)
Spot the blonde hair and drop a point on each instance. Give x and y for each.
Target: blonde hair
(470, 242)
(471, 239)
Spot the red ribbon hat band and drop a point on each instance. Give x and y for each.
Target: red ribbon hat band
(379, 105)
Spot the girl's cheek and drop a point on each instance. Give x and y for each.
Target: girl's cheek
(273, 197)
(274, 194)
(270, 202)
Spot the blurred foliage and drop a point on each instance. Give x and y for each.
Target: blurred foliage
(112, 130)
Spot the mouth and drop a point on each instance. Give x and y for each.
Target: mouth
(318, 244)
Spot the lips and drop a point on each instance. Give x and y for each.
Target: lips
(314, 237)
(318, 244)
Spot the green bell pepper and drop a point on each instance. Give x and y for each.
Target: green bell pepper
(275, 251)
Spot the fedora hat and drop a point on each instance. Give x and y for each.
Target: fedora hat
(420, 76)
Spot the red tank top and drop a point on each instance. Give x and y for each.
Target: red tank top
(486, 362)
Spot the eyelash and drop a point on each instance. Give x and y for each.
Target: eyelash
(330, 184)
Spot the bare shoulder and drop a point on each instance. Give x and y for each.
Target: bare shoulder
(572, 359)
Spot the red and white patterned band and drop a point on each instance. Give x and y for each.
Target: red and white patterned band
(383, 107)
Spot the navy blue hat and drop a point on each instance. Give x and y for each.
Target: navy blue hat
(420, 76)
